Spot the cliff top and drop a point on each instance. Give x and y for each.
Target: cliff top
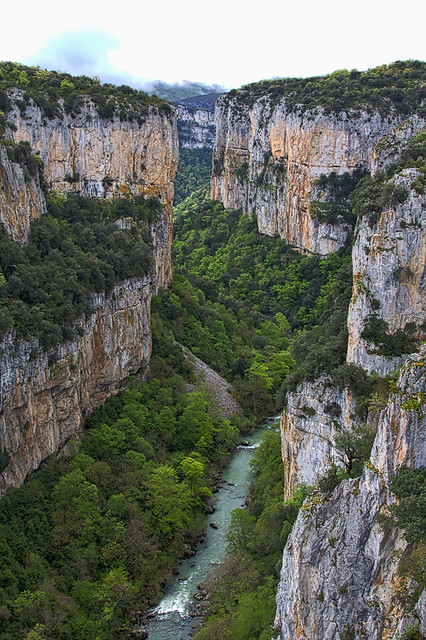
(48, 88)
(400, 86)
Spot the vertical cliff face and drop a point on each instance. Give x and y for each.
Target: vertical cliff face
(339, 576)
(308, 428)
(389, 148)
(44, 396)
(267, 159)
(389, 278)
(101, 157)
(339, 571)
(196, 125)
(21, 198)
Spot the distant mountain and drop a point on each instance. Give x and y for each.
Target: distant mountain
(183, 91)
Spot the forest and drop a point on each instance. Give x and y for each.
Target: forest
(396, 86)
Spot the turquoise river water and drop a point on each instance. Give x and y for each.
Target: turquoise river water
(172, 619)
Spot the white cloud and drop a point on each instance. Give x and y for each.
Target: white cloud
(229, 42)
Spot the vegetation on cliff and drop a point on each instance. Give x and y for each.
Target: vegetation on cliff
(56, 93)
(374, 195)
(80, 247)
(21, 153)
(400, 87)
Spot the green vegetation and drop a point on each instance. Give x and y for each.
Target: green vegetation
(373, 195)
(262, 273)
(48, 88)
(400, 87)
(87, 542)
(335, 206)
(20, 152)
(195, 167)
(389, 345)
(409, 513)
(242, 591)
(239, 299)
(354, 445)
(73, 251)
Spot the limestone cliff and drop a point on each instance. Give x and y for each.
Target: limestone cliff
(389, 148)
(44, 396)
(268, 157)
(339, 572)
(308, 427)
(100, 157)
(21, 198)
(196, 125)
(389, 277)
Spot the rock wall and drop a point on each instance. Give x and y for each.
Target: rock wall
(196, 125)
(99, 157)
(21, 198)
(389, 148)
(389, 271)
(46, 395)
(267, 158)
(308, 426)
(339, 569)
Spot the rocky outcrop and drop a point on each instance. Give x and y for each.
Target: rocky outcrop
(100, 157)
(389, 272)
(45, 395)
(308, 426)
(196, 125)
(21, 198)
(339, 573)
(267, 158)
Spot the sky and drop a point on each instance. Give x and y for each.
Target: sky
(227, 42)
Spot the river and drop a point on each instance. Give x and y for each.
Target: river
(172, 620)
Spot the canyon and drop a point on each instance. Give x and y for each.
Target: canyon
(340, 576)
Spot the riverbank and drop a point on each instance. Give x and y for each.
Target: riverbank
(177, 613)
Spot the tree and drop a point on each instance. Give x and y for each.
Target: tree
(194, 472)
(354, 445)
(116, 594)
(168, 501)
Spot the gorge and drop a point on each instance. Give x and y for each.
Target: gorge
(323, 312)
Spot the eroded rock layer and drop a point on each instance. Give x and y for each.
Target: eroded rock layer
(101, 157)
(308, 427)
(196, 125)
